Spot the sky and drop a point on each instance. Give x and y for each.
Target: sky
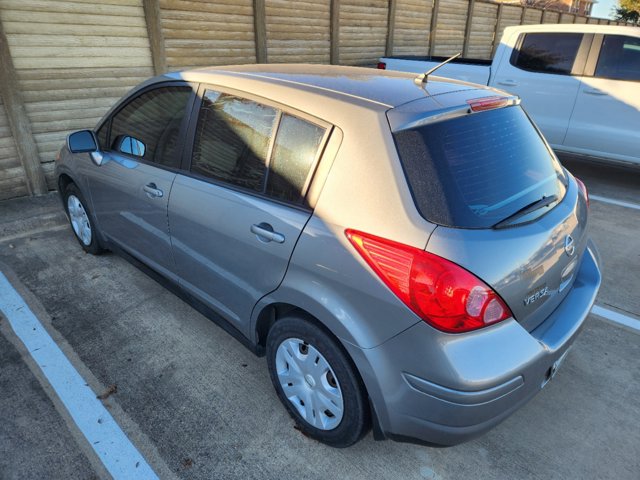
(602, 9)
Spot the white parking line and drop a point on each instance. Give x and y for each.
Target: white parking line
(616, 317)
(620, 203)
(115, 450)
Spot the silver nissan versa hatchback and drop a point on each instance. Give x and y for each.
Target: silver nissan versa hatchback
(408, 253)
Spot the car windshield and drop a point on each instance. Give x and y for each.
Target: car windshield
(477, 170)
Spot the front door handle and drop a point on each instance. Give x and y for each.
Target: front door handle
(152, 190)
(508, 83)
(593, 91)
(265, 233)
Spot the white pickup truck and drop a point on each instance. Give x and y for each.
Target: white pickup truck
(580, 83)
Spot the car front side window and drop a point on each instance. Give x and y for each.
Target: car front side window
(149, 126)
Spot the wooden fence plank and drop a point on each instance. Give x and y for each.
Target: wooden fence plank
(334, 54)
(391, 25)
(434, 23)
(156, 37)
(496, 40)
(19, 122)
(260, 23)
(467, 28)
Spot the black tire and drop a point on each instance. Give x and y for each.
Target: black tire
(93, 247)
(355, 420)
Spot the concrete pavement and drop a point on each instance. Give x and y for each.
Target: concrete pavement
(198, 405)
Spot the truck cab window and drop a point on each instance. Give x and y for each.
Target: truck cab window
(547, 52)
(619, 58)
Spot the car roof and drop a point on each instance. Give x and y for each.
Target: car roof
(378, 88)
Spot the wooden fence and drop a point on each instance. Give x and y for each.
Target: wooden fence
(64, 63)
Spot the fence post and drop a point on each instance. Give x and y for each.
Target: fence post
(334, 32)
(523, 17)
(434, 26)
(156, 38)
(467, 28)
(496, 40)
(19, 121)
(260, 26)
(391, 26)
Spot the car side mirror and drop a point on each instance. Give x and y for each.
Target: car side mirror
(85, 141)
(82, 141)
(131, 146)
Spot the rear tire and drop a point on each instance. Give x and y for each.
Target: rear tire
(316, 382)
(81, 220)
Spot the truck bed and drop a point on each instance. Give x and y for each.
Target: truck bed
(467, 69)
(437, 59)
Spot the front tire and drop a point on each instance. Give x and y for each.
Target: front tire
(316, 382)
(81, 220)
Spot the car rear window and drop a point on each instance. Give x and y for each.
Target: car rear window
(475, 171)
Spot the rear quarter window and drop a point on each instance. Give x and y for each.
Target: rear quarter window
(474, 171)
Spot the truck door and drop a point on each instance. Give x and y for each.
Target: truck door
(541, 70)
(606, 118)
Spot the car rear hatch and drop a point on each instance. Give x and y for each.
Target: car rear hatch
(506, 209)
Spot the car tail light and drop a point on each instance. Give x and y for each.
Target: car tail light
(583, 189)
(441, 293)
(488, 103)
(382, 66)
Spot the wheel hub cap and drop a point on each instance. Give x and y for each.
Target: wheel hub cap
(79, 219)
(309, 383)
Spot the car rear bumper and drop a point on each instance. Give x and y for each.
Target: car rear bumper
(443, 389)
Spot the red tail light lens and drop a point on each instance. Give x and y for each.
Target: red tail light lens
(382, 66)
(583, 189)
(441, 293)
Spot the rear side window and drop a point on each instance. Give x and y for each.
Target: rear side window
(619, 58)
(149, 126)
(476, 170)
(232, 140)
(294, 154)
(547, 52)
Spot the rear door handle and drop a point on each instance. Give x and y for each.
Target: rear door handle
(593, 91)
(152, 190)
(265, 233)
(508, 83)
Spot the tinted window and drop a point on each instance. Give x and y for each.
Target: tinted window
(294, 152)
(101, 134)
(619, 58)
(548, 52)
(476, 170)
(232, 140)
(154, 119)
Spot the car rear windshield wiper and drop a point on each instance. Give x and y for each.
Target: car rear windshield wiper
(543, 202)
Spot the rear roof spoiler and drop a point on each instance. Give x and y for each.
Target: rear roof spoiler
(417, 114)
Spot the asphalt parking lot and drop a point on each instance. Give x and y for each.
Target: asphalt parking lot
(194, 403)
